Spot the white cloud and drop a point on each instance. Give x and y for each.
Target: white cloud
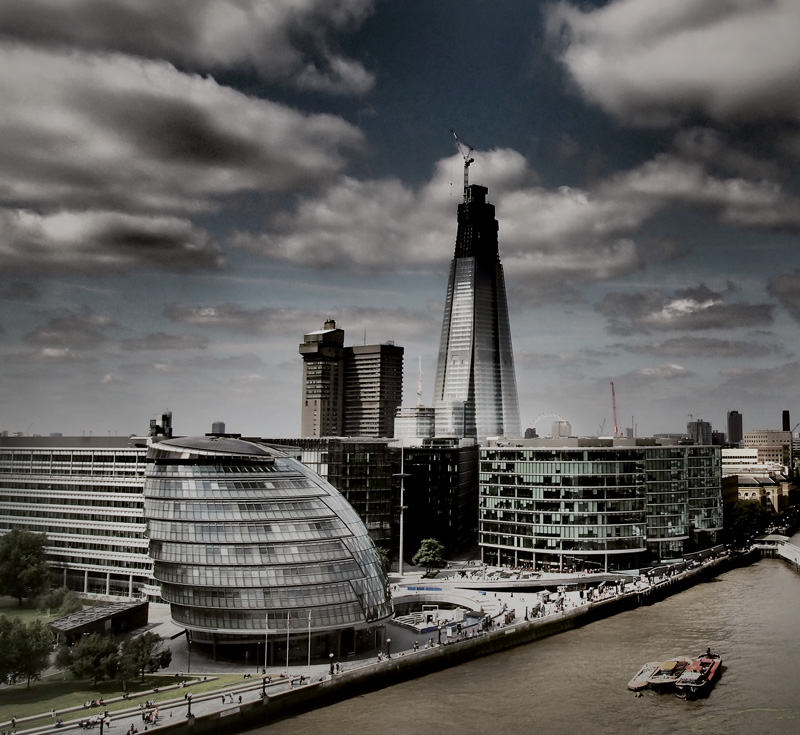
(291, 41)
(655, 63)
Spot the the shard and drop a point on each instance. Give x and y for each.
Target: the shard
(476, 388)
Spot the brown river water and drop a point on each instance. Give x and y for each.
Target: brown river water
(576, 682)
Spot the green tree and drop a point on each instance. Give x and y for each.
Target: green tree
(9, 628)
(72, 603)
(92, 657)
(383, 558)
(23, 570)
(430, 555)
(748, 519)
(34, 650)
(146, 652)
(24, 648)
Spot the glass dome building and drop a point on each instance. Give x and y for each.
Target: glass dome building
(252, 548)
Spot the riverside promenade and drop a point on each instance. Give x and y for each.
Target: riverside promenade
(255, 701)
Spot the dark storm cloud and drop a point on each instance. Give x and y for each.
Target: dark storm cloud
(705, 347)
(161, 341)
(786, 288)
(120, 133)
(19, 291)
(290, 42)
(689, 309)
(95, 242)
(400, 323)
(763, 383)
(235, 318)
(73, 331)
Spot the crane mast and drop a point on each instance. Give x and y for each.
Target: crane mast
(468, 159)
(614, 407)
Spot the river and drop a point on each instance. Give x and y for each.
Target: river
(576, 682)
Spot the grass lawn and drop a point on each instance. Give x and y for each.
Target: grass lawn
(60, 691)
(10, 608)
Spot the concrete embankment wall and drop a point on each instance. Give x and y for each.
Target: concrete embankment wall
(403, 667)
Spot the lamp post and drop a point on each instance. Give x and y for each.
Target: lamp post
(266, 640)
(388, 648)
(189, 704)
(330, 657)
(402, 475)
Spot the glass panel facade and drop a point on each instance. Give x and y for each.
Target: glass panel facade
(475, 393)
(597, 501)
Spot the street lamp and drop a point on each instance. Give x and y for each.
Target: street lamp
(402, 475)
(189, 704)
(330, 656)
(388, 648)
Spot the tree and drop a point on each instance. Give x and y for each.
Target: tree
(147, 652)
(34, 650)
(383, 558)
(23, 570)
(748, 519)
(72, 603)
(24, 649)
(93, 656)
(430, 555)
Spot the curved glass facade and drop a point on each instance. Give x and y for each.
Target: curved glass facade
(248, 542)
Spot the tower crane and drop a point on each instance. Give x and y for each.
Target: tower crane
(468, 159)
(614, 407)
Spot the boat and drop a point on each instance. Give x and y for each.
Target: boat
(639, 681)
(699, 675)
(669, 672)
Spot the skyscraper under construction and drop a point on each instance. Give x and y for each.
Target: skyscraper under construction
(476, 389)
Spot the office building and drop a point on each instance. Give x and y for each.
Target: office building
(773, 446)
(362, 469)
(441, 495)
(734, 428)
(764, 482)
(323, 381)
(85, 494)
(699, 431)
(349, 391)
(249, 546)
(475, 390)
(414, 424)
(596, 503)
(373, 389)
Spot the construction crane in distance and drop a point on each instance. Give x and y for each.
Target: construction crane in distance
(617, 432)
(468, 159)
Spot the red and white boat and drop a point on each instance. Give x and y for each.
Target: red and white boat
(699, 675)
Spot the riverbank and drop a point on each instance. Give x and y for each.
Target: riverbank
(287, 696)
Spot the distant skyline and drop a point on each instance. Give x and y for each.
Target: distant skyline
(187, 188)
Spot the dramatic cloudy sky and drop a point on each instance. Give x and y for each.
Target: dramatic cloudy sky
(187, 187)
